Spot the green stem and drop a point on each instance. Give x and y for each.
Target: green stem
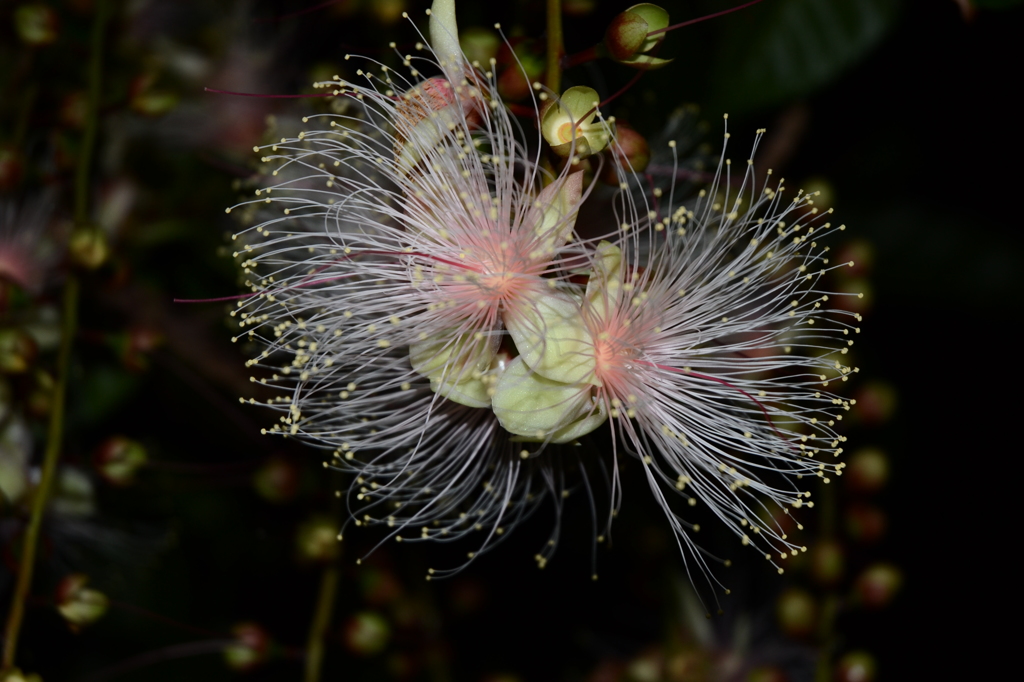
(556, 46)
(69, 321)
(321, 621)
(42, 493)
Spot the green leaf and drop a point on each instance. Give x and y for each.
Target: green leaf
(785, 49)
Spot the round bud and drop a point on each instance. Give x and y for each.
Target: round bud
(878, 584)
(277, 479)
(628, 38)
(865, 523)
(867, 471)
(78, 604)
(480, 44)
(18, 351)
(827, 562)
(797, 612)
(860, 251)
(74, 109)
(856, 666)
(249, 649)
(570, 125)
(366, 633)
(36, 24)
(317, 540)
(88, 247)
(630, 153)
(11, 168)
(118, 458)
(876, 402)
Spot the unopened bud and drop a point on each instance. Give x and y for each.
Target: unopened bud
(629, 154)
(78, 604)
(480, 44)
(797, 612)
(629, 40)
(88, 247)
(856, 666)
(11, 167)
(878, 584)
(250, 648)
(118, 459)
(569, 126)
(867, 471)
(40, 397)
(277, 480)
(317, 540)
(876, 402)
(18, 351)
(865, 523)
(827, 562)
(36, 24)
(366, 633)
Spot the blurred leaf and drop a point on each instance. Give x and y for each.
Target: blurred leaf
(784, 49)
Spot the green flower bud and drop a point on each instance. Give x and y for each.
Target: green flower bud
(118, 458)
(250, 648)
(569, 127)
(317, 540)
(629, 40)
(539, 409)
(367, 633)
(88, 247)
(36, 24)
(78, 604)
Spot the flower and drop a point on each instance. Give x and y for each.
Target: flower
(433, 319)
(417, 229)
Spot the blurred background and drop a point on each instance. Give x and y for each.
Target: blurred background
(177, 541)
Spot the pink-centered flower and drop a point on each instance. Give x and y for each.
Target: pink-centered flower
(433, 319)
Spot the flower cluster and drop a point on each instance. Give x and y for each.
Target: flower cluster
(434, 318)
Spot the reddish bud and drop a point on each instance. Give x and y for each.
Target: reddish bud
(78, 604)
(878, 584)
(73, 110)
(379, 586)
(856, 666)
(136, 345)
(277, 480)
(11, 167)
(865, 523)
(250, 648)
(366, 633)
(827, 562)
(118, 459)
(861, 252)
(876, 402)
(867, 471)
(629, 40)
(625, 35)
(36, 24)
(630, 153)
(797, 612)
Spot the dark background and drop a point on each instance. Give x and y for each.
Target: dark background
(905, 110)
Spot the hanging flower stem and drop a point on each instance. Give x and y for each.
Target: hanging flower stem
(69, 315)
(324, 609)
(556, 46)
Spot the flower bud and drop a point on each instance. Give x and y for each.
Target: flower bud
(18, 351)
(40, 397)
(878, 584)
(861, 252)
(366, 633)
(876, 402)
(827, 562)
(856, 666)
(78, 604)
(74, 109)
(630, 154)
(317, 540)
(11, 167)
(277, 480)
(250, 648)
(629, 40)
(766, 673)
(568, 123)
(15, 675)
(865, 523)
(118, 458)
(36, 24)
(797, 612)
(88, 247)
(867, 471)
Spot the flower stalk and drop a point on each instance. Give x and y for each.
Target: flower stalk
(556, 46)
(69, 318)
